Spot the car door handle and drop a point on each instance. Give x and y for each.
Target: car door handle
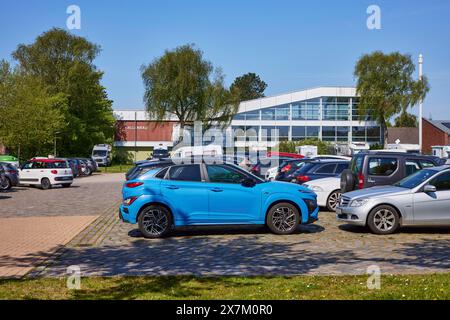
(216, 190)
(172, 187)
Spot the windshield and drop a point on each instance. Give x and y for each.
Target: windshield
(99, 153)
(416, 179)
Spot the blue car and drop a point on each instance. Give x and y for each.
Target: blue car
(213, 194)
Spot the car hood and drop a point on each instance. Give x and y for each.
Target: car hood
(376, 192)
(285, 187)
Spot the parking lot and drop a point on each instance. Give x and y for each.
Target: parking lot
(110, 247)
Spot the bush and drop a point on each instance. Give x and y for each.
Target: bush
(121, 156)
(322, 146)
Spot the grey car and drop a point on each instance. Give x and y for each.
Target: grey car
(9, 176)
(422, 199)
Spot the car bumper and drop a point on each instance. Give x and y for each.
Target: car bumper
(14, 180)
(62, 179)
(352, 215)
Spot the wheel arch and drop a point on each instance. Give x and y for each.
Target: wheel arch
(283, 201)
(158, 203)
(400, 215)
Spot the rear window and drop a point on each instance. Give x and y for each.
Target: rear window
(306, 167)
(382, 166)
(58, 165)
(327, 169)
(357, 164)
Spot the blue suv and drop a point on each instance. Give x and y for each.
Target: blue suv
(213, 194)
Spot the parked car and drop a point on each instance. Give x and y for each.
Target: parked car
(213, 194)
(328, 191)
(374, 168)
(9, 176)
(9, 159)
(421, 199)
(264, 164)
(160, 154)
(92, 165)
(313, 169)
(46, 173)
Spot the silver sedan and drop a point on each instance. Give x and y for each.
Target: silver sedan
(422, 199)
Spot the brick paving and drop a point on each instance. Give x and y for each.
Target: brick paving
(26, 242)
(108, 247)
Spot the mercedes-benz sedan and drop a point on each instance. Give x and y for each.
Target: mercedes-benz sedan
(422, 199)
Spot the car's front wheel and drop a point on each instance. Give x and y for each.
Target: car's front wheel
(45, 184)
(283, 218)
(155, 221)
(383, 220)
(333, 200)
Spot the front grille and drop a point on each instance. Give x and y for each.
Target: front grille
(344, 201)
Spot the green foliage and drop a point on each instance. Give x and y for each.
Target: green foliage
(181, 83)
(248, 87)
(406, 120)
(289, 146)
(376, 146)
(386, 85)
(121, 156)
(30, 114)
(64, 64)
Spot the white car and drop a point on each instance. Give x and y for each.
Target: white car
(46, 173)
(328, 191)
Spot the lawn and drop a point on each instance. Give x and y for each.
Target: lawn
(434, 286)
(123, 168)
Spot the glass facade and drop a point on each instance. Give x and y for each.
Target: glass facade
(333, 119)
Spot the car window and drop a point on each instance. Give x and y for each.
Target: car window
(28, 165)
(442, 182)
(341, 167)
(185, 173)
(357, 164)
(426, 163)
(224, 174)
(327, 169)
(416, 179)
(57, 165)
(162, 173)
(382, 166)
(412, 166)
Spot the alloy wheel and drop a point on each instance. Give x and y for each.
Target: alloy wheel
(333, 200)
(155, 221)
(284, 219)
(384, 220)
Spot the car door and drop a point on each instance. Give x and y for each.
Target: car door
(383, 170)
(186, 193)
(27, 174)
(229, 201)
(434, 208)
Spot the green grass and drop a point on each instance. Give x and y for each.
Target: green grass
(434, 286)
(116, 168)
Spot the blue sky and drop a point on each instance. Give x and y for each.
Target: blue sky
(291, 44)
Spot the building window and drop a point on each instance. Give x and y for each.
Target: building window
(282, 112)
(268, 114)
(342, 133)
(373, 134)
(328, 133)
(359, 134)
(298, 133)
(306, 110)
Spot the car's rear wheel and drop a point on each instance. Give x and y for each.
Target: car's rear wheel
(383, 220)
(5, 184)
(283, 218)
(45, 184)
(333, 200)
(155, 221)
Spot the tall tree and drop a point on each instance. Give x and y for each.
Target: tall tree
(386, 85)
(65, 64)
(406, 120)
(249, 86)
(30, 114)
(183, 84)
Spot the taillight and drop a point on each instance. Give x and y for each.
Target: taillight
(12, 171)
(134, 184)
(54, 171)
(303, 178)
(286, 168)
(360, 181)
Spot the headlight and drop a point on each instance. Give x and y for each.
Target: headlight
(316, 188)
(358, 203)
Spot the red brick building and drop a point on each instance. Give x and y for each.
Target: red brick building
(435, 133)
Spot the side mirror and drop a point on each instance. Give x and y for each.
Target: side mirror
(248, 183)
(429, 189)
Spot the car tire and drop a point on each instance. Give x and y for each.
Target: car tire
(333, 200)
(6, 185)
(87, 172)
(66, 185)
(45, 184)
(383, 219)
(347, 181)
(155, 221)
(283, 218)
